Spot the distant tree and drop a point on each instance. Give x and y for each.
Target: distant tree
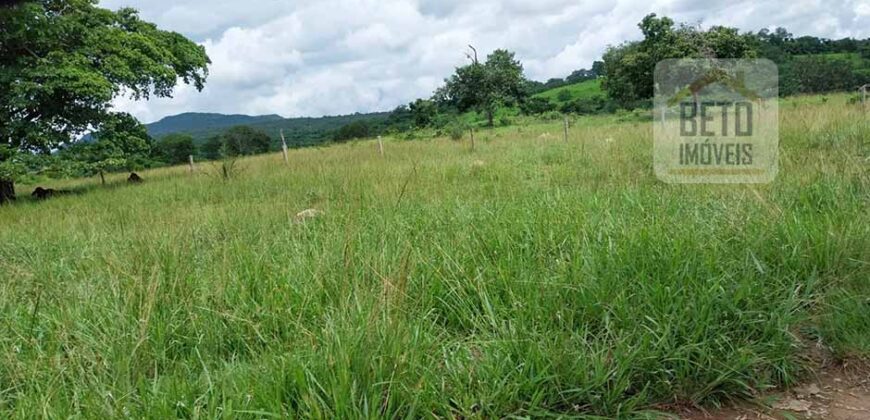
(554, 83)
(356, 130)
(213, 147)
(121, 143)
(244, 140)
(423, 112)
(598, 68)
(63, 61)
(175, 148)
(485, 86)
(817, 74)
(400, 119)
(564, 95)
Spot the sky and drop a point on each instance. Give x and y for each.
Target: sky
(331, 57)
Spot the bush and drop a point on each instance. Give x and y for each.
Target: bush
(534, 106)
(564, 95)
(504, 121)
(456, 131)
(584, 106)
(552, 115)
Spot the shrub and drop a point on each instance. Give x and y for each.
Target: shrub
(534, 106)
(504, 121)
(552, 115)
(456, 131)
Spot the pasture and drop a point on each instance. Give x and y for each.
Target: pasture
(531, 277)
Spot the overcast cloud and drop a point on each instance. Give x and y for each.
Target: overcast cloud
(328, 57)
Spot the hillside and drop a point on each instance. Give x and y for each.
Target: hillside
(584, 90)
(192, 122)
(307, 131)
(302, 131)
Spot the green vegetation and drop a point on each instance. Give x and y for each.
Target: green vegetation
(174, 148)
(355, 130)
(298, 132)
(584, 90)
(62, 63)
(484, 87)
(528, 277)
(807, 64)
(532, 277)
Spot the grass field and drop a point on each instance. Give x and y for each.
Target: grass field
(530, 277)
(586, 89)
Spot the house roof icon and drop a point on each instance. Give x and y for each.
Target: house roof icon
(713, 76)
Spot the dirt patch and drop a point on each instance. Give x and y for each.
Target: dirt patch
(837, 392)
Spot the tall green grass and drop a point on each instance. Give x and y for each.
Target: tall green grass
(586, 89)
(532, 277)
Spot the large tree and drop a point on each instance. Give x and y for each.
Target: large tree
(63, 61)
(485, 86)
(628, 68)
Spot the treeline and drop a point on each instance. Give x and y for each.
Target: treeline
(807, 64)
(123, 144)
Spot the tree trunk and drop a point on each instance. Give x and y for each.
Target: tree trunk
(489, 116)
(102, 178)
(7, 190)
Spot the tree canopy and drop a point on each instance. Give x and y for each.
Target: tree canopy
(243, 140)
(484, 87)
(63, 61)
(628, 68)
(175, 148)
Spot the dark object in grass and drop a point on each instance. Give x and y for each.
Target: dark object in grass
(134, 178)
(7, 191)
(43, 193)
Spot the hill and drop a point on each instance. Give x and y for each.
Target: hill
(192, 122)
(299, 132)
(586, 89)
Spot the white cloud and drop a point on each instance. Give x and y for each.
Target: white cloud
(310, 58)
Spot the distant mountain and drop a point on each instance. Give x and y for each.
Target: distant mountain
(192, 122)
(299, 132)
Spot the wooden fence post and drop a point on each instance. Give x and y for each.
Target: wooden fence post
(566, 129)
(471, 130)
(284, 148)
(380, 146)
(190, 162)
(864, 93)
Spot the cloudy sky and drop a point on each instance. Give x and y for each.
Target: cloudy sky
(328, 57)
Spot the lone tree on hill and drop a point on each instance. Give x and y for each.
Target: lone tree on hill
(63, 61)
(485, 86)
